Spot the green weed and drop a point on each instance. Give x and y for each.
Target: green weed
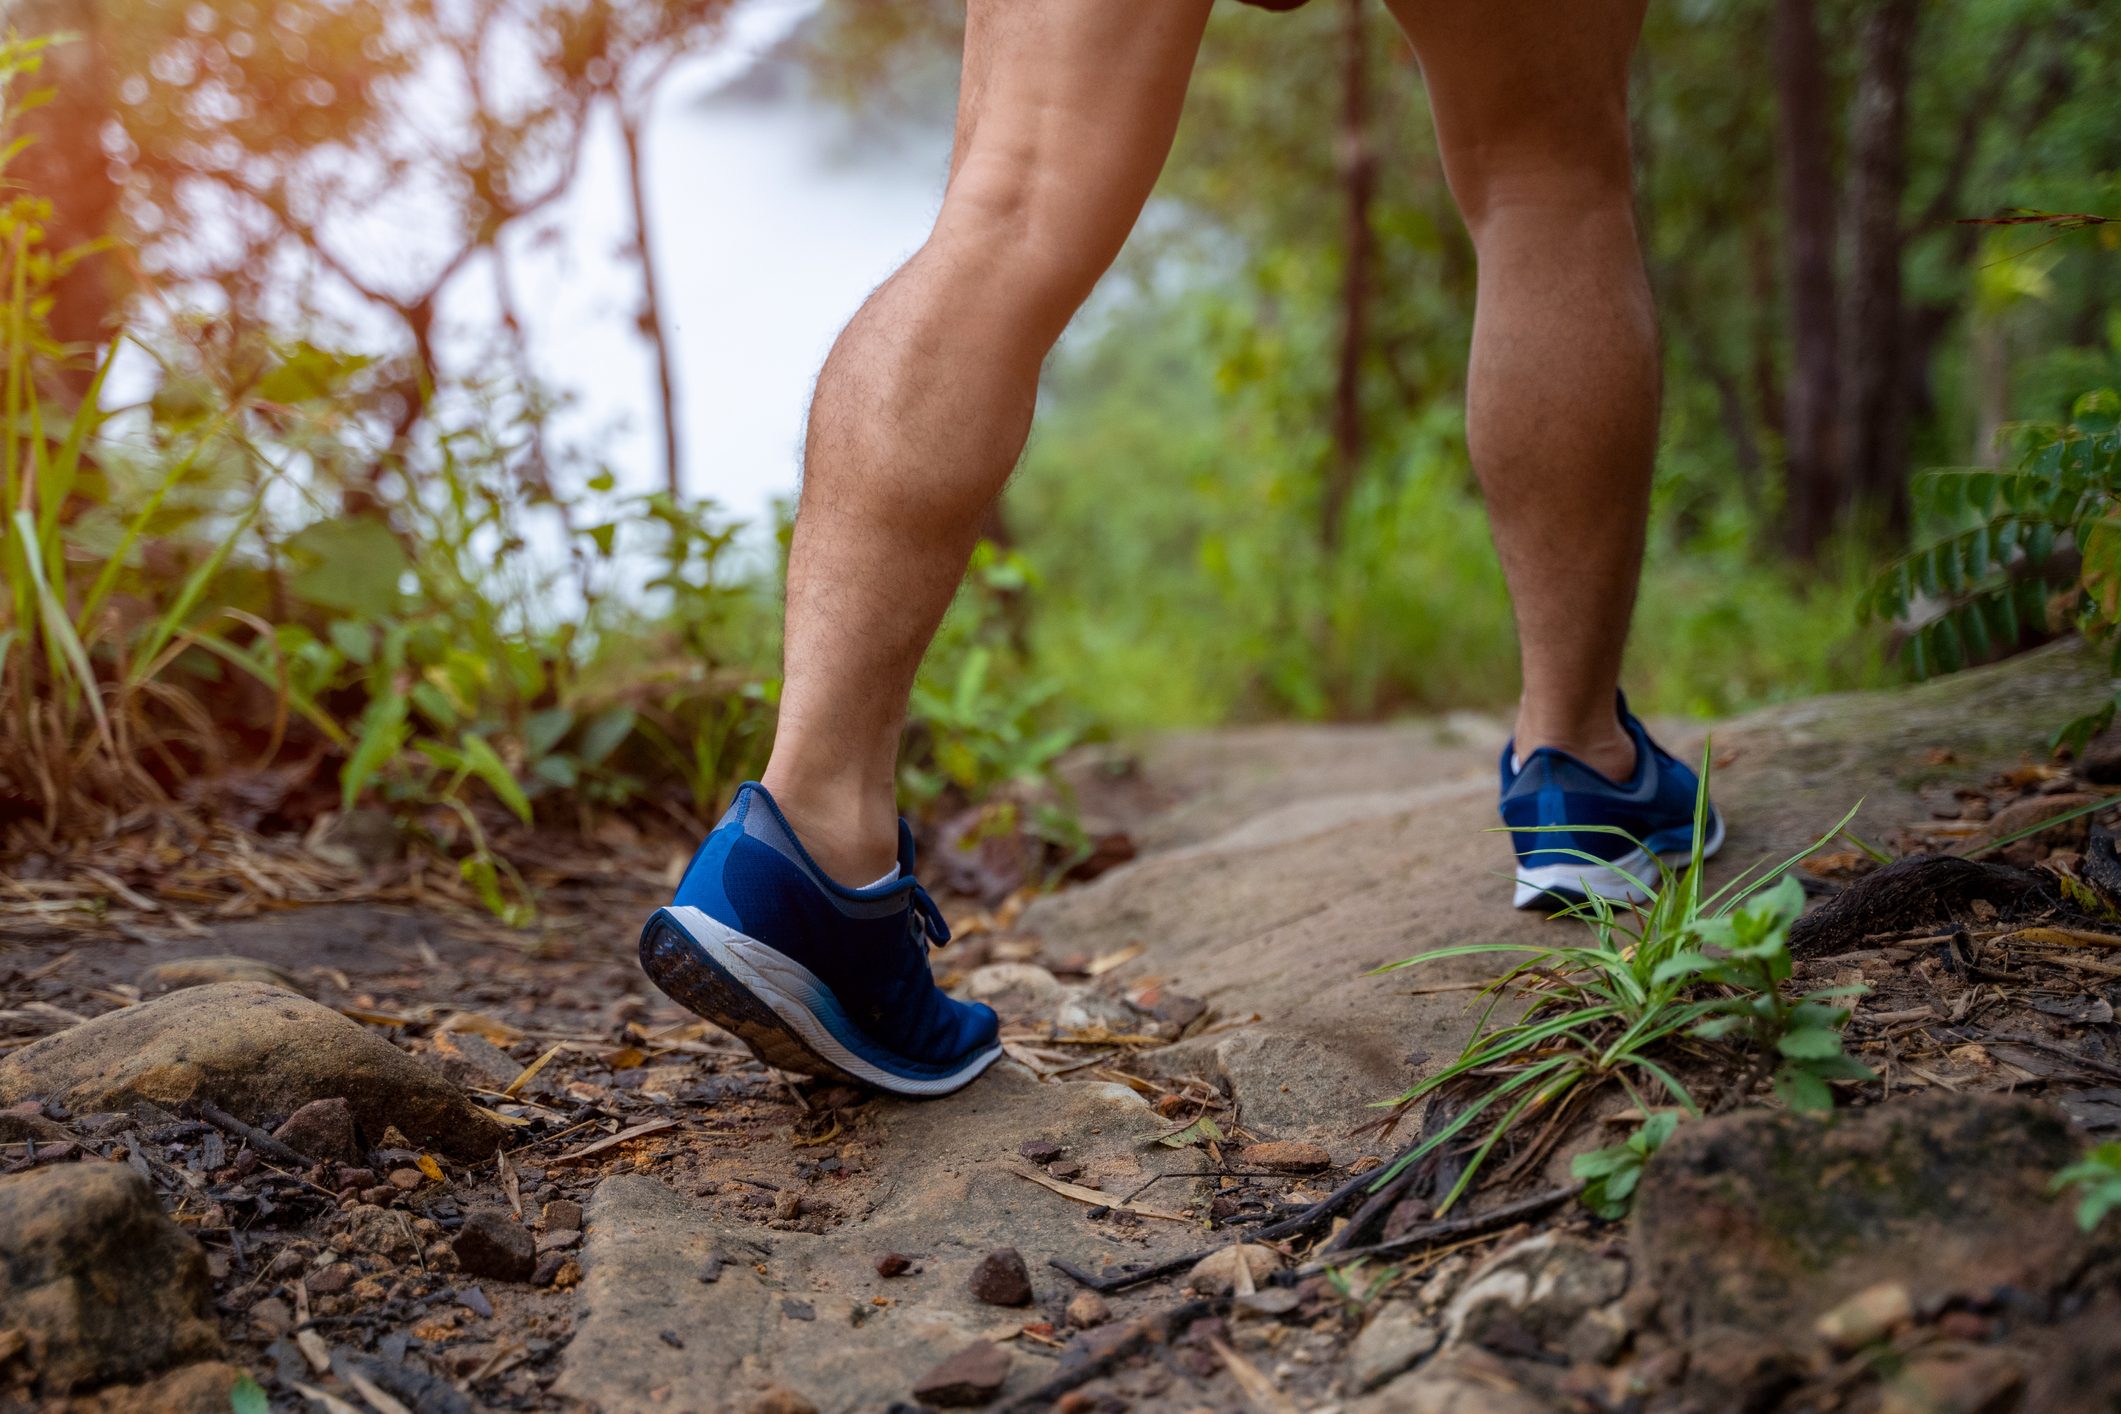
(2097, 1176)
(1682, 973)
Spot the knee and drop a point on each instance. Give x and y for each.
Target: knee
(1031, 237)
(1543, 177)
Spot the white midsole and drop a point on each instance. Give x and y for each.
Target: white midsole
(781, 983)
(1624, 880)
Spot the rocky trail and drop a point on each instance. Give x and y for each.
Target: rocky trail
(367, 1157)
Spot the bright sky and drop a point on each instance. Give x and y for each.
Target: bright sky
(768, 234)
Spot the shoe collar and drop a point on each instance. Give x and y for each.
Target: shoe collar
(1640, 782)
(918, 899)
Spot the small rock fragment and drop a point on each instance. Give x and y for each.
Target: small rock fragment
(971, 1377)
(1001, 1279)
(893, 1264)
(1017, 988)
(1870, 1315)
(1040, 1151)
(1395, 1338)
(470, 1060)
(492, 1244)
(779, 1399)
(322, 1129)
(1087, 1309)
(329, 1281)
(549, 1264)
(381, 1231)
(561, 1215)
(1217, 1273)
(1285, 1156)
(1955, 1380)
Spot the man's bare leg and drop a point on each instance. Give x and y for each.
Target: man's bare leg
(1064, 120)
(1561, 396)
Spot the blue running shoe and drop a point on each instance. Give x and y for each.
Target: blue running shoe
(1655, 805)
(813, 976)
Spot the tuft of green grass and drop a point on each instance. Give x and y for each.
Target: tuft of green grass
(1684, 973)
(2098, 1177)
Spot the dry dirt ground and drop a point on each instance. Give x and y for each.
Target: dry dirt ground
(521, 1179)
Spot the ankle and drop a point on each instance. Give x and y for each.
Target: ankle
(1600, 743)
(851, 832)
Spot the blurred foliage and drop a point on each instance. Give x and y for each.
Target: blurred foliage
(2024, 549)
(252, 573)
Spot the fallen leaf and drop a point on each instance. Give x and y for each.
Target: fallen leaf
(530, 1071)
(1105, 962)
(1096, 1199)
(479, 1023)
(611, 1141)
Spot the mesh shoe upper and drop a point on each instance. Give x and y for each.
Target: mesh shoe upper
(1655, 804)
(869, 946)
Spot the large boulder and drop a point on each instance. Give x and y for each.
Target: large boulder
(97, 1284)
(256, 1050)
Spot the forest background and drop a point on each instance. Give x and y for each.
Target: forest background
(281, 515)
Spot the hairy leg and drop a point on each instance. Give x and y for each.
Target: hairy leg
(1530, 102)
(1064, 119)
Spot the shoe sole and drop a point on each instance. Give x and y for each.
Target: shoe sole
(774, 1005)
(1572, 882)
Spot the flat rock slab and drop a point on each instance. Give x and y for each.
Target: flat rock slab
(650, 1333)
(99, 1284)
(258, 1051)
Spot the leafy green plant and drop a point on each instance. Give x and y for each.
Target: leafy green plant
(1682, 971)
(982, 718)
(1610, 1175)
(2097, 1176)
(1752, 960)
(2004, 566)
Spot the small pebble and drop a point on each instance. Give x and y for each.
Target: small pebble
(1001, 1279)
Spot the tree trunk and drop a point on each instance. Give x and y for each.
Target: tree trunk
(651, 321)
(1876, 410)
(1814, 467)
(64, 161)
(1358, 179)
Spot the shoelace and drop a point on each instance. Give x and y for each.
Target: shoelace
(921, 1011)
(932, 927)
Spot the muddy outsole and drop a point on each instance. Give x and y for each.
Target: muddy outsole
(695, 981)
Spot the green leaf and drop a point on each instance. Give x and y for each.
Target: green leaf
(1810, 1043)
(350, 565)
(485, 763)
(307, 373)
(356, 642)
(604, 733)
(246, 1396)
(382, 738)
(1803, 1091)
(545, 730)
